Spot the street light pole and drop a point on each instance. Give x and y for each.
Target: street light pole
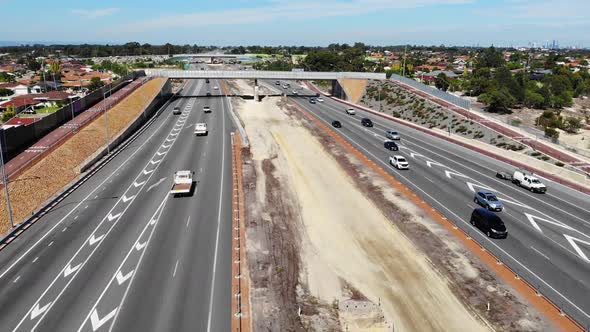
(106, 120)
(5, 181)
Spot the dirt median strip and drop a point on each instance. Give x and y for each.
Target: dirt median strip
(541, 303)
(240, 320)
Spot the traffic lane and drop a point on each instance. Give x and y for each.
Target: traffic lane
(34, 268)
(572, 199)
(430, 149)
(183, 281)
(110, 253)
(548, 278)
(93, 192)
(57, 288)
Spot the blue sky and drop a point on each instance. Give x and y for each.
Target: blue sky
(302, 22)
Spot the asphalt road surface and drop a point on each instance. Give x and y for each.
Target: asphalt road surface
(549, 234)
(120, 253)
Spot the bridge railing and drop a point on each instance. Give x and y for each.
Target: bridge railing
(259, 74)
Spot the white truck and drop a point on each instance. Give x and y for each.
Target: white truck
(528, 181)
(201, 129)
(183, 183)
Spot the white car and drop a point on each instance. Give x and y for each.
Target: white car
(350, 111)
(399, 162)
(201, 129)
(295, 92)
(319, 99)
(215, 88)
(206, 109)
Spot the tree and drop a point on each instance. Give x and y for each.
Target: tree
(498, 101)
(490, 58)
(9, 113)
(551, 133)
(442, 82)
(5, 92)
(33, 65)
(572, 124)
(55, 67)
(6, 77)
(533, 99)
(95, 83)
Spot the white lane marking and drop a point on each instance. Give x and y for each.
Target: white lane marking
(127, 199)
(139, 245)
(97, 322)
(449, 173)
(572, 240)
(218, 220)
(427, 178)
(69, 269)
(540, 253)
(50, 244)
(37, 310)
(85, 207)
(36, 258)
(121, 278)
(472, 187)
(92, 240)
(65, 229)
(175, 267)
(112, 217)
(153, 162)
(16, 279)
(489, 241)
(430, 163)
(76, 217)
(188, 220)
(533, 220)
(145, 172)
(138, 184)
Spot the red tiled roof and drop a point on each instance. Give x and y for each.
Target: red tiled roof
(17, 121)
(8, 85)
(51, 95)
(20, 101)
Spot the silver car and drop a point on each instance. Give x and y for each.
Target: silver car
(488, 200)
(392, 134)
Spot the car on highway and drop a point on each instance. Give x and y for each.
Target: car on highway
(215, 88)
(176, 110)
(320, 99)
(503, 176)
(528, 181)
(488, 200)
(490, 223)
(285, 86)
(206, 80)
(350, 111)
(311, 100)
(208, 93)
(366, 122)
(278, 83)
(399, 162)
(390, 145)
(206, 109)
(392, 134)
(295, 92)
(336, 124)
(201, 129)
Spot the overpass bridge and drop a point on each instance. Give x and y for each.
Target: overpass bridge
(263, 75)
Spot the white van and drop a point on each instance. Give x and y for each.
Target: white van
(528, 181)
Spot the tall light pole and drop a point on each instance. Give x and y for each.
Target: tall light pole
(5, 181)
(106, 118)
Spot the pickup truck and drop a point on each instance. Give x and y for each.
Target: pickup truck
(183, 183)
(528, 181)
(201, 129)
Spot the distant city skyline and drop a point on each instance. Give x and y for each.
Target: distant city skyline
(517, 23)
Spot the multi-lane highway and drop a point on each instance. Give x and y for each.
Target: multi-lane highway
(121, 254)
(549, 234)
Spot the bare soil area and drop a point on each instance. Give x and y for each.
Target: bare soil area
(331, 247)
(61, 166)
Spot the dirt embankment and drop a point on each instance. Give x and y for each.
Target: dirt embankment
(61, 166)
(329, 248)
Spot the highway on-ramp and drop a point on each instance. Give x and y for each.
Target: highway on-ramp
(120, 253)
(549, 234)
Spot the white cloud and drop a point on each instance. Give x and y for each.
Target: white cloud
(279, 10)
(94, 13)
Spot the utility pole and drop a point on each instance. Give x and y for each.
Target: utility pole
(404, 62)
(106, 119)
(5, 181)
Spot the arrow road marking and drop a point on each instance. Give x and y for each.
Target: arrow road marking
(127, 199)
(139, 246)
(39, 310)
(533, 220)
(166, 146)
(147, 172)
(93, 239)
(161, 153)
(69, 269)
(448, 173)
(110, 217)
(156, 184)
(473, 185)
(122, 278)
(430, 163)
(97, 322)
(572, 240)
(414, 154)
(153, 162)
(135, 184)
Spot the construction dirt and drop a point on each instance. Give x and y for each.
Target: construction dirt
(332, 247)
(61, 166)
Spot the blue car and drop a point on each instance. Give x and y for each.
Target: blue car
(488, 200)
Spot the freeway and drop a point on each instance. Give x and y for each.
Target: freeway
(549, 234)
(121, 254)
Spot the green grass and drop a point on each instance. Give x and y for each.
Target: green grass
(47, 110)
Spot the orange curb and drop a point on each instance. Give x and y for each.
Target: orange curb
(240, 301)
(541, 303)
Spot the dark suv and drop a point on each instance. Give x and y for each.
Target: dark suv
(367, 122)
(489, 223)
(390, 145)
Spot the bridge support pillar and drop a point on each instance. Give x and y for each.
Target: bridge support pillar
(256, 90)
